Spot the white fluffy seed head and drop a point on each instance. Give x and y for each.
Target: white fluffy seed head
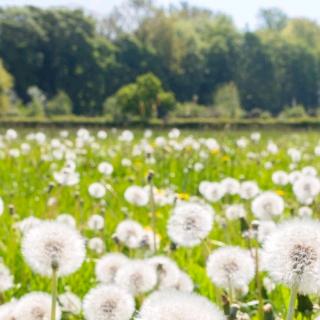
(248, 190)
(67, 219)
(6, 310)
(175, 305)
(70, 303)
(230, 266)
(190, 223)
(53, 244)
(130, 233)
(292, 254)
(167, 271)
(96, 222)
(6, 278)
(306, 188)
(136, 277)
(97, 190)
(267, 205)
(184, 283)
(35, 306)
(137, 196)
(108, 266)
(108, 303)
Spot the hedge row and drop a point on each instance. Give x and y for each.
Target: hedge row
(183, 123)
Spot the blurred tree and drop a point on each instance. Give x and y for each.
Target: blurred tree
(6, 84)
(60, 104)
(255, 75)
(61, 51)
(272, 19)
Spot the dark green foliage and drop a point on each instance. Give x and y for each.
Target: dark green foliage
(191, 52)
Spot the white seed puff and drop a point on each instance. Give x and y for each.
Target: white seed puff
(53, 243)
(108, 303)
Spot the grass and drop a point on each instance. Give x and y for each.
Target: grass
(25, 189)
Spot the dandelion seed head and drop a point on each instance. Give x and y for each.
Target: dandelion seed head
(190, 223)
(108, 266)
(230, 266)
(267, 205)
(176, 305)
(291, 254)
(52, 243)
(136, 277)
(108, 303)
(35, 306)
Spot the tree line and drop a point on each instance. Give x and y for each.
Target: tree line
(145, 60)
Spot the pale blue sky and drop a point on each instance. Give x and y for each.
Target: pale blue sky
(243, 11)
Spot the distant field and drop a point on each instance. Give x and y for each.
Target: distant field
(36, 167)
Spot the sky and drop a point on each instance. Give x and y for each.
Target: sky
(244, 12)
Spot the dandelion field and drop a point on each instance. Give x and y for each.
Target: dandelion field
(189, 211)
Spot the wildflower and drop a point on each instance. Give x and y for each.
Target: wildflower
(108, 266)
(97, 190)
(137, 196)
(267, 205)
(176, 305)
(212, 191)
(105, 168)
(35, 305)
(6, 279)
(235, 211)
(136, 277)
(190, 223)
(96, 222)
(306, 188)
(52, 243)
(292, 256)
(6, 310)
(167, 271)
(230, 268)
(69, 302)
(248, 190)
(280, 177)
(108, 303)
(230, 185)
(130, 233)
(97, 245)
(184, 283)
(66, 219)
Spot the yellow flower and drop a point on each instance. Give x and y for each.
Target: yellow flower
(225, 158)
(280, 192)
(215, 151)
(183, 196)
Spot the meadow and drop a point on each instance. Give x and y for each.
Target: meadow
(204, 209)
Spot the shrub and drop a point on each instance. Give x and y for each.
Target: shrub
(167, 103)
(227, 101)
(191, 110)
(60, 104)
(296, 111)
(36, 107)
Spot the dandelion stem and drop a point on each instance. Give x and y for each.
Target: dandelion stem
(293, 296)
(258, 284)
(54, 291)
(153, 212)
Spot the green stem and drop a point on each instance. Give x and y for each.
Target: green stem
(153, 212)
(54, 293)
(293, 296)
(258, 284)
